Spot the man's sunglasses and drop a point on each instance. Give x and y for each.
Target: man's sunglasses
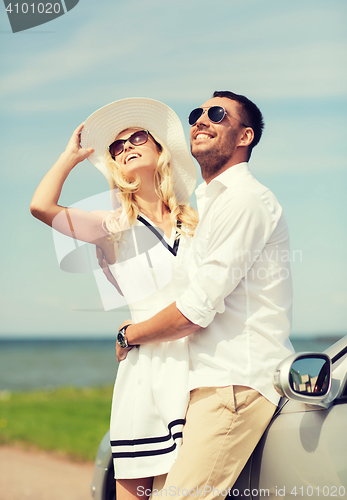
(136, 139)
(215, 115)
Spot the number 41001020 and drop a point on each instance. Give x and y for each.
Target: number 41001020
(40, 8)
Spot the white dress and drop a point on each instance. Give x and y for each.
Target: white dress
(151, 391)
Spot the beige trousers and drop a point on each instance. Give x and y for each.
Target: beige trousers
(223, 426)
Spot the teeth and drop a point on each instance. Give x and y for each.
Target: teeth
(203, 136)
(131, 157)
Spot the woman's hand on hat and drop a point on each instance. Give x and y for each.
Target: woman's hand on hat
(74, 147)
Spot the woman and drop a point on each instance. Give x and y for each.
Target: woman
(139, 145)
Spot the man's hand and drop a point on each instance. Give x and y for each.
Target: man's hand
(122, 352)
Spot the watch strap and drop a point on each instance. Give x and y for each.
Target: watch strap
(121, 338)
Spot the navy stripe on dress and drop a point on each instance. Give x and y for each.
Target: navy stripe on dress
(149, 453)
(155, 231)
(146, 441)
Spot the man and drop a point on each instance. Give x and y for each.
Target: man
(237, 308)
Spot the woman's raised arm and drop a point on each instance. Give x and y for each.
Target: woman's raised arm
(85, 226)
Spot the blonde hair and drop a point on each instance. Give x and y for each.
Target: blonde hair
(126, 215)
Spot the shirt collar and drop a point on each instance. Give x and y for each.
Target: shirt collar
(226, 178)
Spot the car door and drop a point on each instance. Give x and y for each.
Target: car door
(303, 453)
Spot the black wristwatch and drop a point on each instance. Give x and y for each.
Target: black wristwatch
(121, 338)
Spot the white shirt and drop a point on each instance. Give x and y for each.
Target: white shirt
(240, 289)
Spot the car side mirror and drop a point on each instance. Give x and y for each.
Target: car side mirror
(304, 377)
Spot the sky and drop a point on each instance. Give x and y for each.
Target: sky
(288, 57)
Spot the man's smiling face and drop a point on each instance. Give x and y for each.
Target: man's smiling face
(214, 144)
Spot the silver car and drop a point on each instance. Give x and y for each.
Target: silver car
(303, 452)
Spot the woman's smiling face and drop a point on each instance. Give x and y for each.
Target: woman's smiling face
(133, 159)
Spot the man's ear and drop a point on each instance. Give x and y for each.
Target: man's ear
(247, 137)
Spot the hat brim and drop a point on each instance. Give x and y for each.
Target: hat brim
(102, 127)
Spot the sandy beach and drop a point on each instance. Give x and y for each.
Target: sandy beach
(42, 476)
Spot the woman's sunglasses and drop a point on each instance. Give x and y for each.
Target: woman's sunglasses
(215, 115)
(137, 139)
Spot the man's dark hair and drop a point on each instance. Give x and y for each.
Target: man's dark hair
(250, 114)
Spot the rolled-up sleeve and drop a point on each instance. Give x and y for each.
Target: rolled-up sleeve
(231, 238)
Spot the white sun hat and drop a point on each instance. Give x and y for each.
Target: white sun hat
(102, 127)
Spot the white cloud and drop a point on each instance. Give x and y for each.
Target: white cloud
(272, 54)
(274, 74)
(73, 59)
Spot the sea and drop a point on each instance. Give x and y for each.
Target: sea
(27, 365)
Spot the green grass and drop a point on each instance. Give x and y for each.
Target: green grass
(68, 421)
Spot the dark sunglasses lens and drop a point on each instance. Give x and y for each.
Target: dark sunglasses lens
(116, 148)
(216, 114)
(195, 115)
(140, 137)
